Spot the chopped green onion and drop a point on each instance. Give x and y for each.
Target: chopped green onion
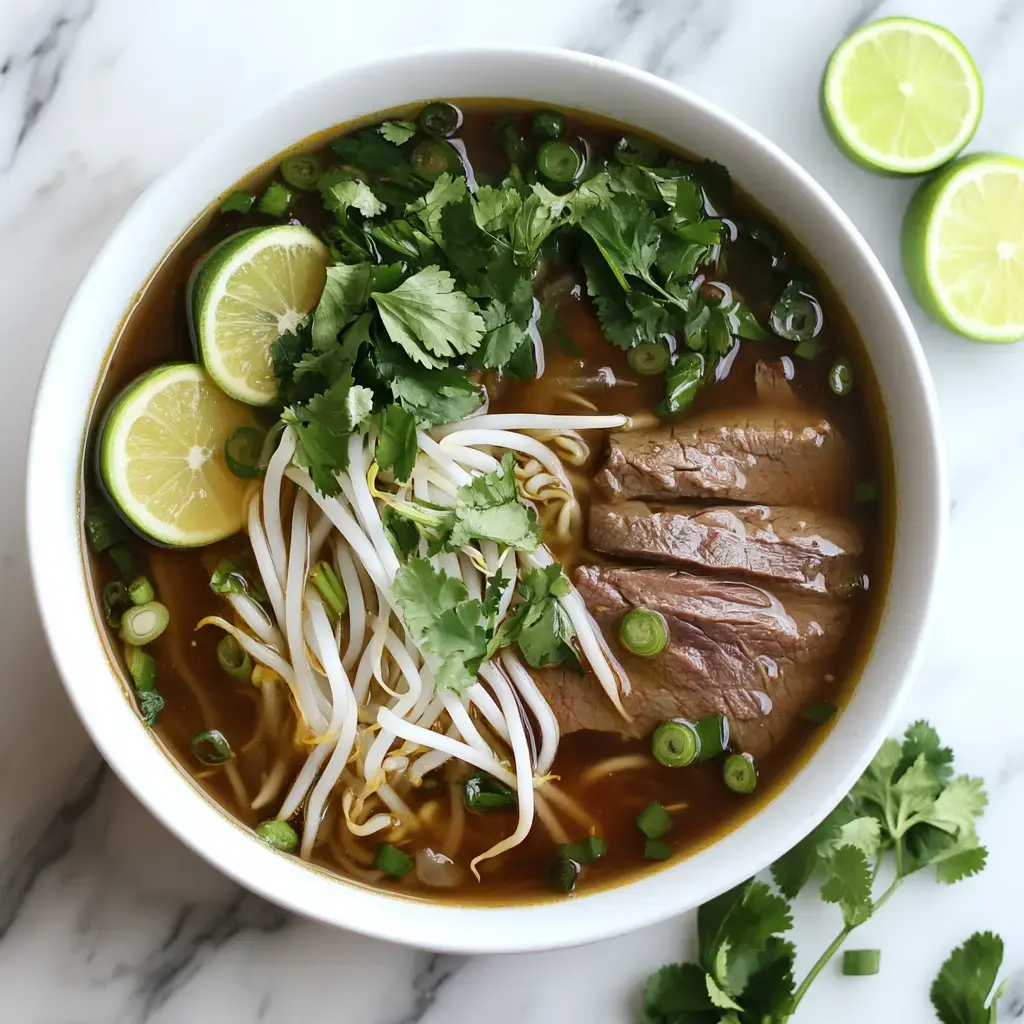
(123, 560)
(143, 623)
(559, 162)
(102, 528)
(323, 577)
(643, 632)
(483, 792)
(548, 124)
(796, 316)
(861, 962)
(392, 861)
(277, 834)
(440, 119)
(740, 773)
(211, 747)
(654, 821)
(712, 736)
(239, 201)
(243, 451)
(675, 744)
(150, 706)
(432, 157)
(234, 658)
(865, 491)
(140, 590)
(141, 667)
(657, 849)
(586, 852)
(650, 358)
(115, 601)
(563, 874)
(840, 377)
(633, 149)
(229, 578)
(819, 712)
(302, 171)
(507, 136)
(276, 200)
(808, 349)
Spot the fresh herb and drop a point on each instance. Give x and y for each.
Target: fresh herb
(339, 196)
(116, 600)
(397, 132)
(590, 850)
(908, 803)
(102, 527)
(861, 962)
(150, 705)
(238, 201)
(654, 821)
(141, 591)
(122, 559)
(436, 396)
(397, 446)
(483, 792)
(403, 535)
(275, 200)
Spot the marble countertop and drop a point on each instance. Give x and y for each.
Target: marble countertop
(107, 919)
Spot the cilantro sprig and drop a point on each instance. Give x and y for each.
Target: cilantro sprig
(908, 811)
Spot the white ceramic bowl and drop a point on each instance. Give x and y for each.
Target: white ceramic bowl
(562, 79)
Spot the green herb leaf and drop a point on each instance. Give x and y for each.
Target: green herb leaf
(437, 396)
(341, 195)
(674, 993)
(489, 508)
(848, 883)
(397, 132)
(346, 292)
(962, 991)
(368, 149)
(625, 232)
(427, 209)
(397, 446)
(539, 624)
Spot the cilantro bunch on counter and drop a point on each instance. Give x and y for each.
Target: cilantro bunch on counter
(908, 812)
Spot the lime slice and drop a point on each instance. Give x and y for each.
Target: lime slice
(161, 455)
(251, 290)
(902, 96)
(963, 247)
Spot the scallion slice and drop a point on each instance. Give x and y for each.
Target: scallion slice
(242, 452)
(277, 834)
(432, 157)
(650, 358)
(275, 200)
(861, 962)
(634, 149)
(238, 201)
(143, 623)
(592, 848)
(233, 658)
(675, 744)
(840, 377)
(562, 875)
(392, 861)
(654, 821)
(102, 528)
(548, 124)
(211, 747)
(440, 119)
(657, 849)
(302, 171)
(712, 736)
(150, 706)
(559, 162)
(141, 667)
(123, 560)
(740, 773)
(643, 632)
(140, 590)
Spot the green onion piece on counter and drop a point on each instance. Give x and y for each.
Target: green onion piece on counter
(712, 736)
(143, 623)
(563, 874)
(633, 149)
(650, 358)
(140, 590)
(439, 120)
(302, 171)
(861, 962)
(102, 528)
(654, 821)
(657, 849)
(586, 852)
(211, 747)
(548, 124)
(865, 491)
(141, 667)
(115, 601)
(277, 834)
(392, 861)
(840, 377)
(329, 587)
(233, 658)
(675, 744)
(432, 157)
(819, 712)
(150, 706)
(238, 201)
(483, 792)
(123, 560)
(740, 773)
(276, 200)
(643, 632)
(559, 162)
(243, 451)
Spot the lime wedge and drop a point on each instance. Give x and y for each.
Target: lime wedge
(251, 290)
(902, 96)
(161, 456)
(963, 247)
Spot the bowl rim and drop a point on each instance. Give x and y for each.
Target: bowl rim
(164, 787)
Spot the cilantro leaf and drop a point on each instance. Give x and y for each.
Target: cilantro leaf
(368, 149)
(677, 993)
(424, 593)
(920, 738)
(489, 508)
(848, 883)
(539, 624)
(958, 806)
(506, 330)
(401, 533)
(430, 319)
(794, 869)
(427, 209)
(397, 446)
(962, 990)
(770, 988)
(397, 132)
(960, 863)
(437, 396)
(625, 232)
(346, 292)
(340, 195)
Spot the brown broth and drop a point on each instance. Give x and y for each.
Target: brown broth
(200, 696)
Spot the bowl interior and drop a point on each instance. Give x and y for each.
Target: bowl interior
(559, 78)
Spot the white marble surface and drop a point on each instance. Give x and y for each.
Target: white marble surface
(106, 919)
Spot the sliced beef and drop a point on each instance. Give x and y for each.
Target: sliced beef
(778, 456)
(795, 546)
(734, 649)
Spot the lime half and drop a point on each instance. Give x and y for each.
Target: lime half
(963, 247)
(902, 96)
(161, 456)
(251, 290)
